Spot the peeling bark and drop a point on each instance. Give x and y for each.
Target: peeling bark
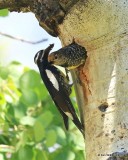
(50, 13)
(14, 5)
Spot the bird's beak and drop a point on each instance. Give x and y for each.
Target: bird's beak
(51, 59)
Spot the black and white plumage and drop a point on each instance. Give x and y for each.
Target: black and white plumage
(56, 88)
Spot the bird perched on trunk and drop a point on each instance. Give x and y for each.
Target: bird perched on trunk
(57, 87)
(69, 57)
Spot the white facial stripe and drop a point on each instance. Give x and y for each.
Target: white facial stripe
(69, 115)
(37, 56)
(53, 79)
(42, 55)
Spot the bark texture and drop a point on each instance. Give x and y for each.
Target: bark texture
(50, 13)
(101, 27)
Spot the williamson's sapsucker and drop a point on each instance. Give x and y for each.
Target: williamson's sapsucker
(57, 87)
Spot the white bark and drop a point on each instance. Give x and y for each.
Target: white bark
(102, 27)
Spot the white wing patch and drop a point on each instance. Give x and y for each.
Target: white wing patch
(53, 79)
(69, 115)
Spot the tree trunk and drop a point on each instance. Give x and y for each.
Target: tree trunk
(101, 27)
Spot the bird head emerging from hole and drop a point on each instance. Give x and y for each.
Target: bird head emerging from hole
(69, 57)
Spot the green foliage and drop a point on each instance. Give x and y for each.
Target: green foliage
(4, 12)
(30, 126)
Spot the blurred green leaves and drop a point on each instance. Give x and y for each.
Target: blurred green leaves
(30, 122)
(4, 12)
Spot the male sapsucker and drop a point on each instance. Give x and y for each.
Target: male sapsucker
(55, 84)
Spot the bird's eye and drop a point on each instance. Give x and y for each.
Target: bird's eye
(56, 57)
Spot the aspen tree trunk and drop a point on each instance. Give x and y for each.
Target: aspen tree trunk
(102, 28)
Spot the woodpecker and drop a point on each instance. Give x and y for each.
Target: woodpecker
(55, 83)
(69, 57)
